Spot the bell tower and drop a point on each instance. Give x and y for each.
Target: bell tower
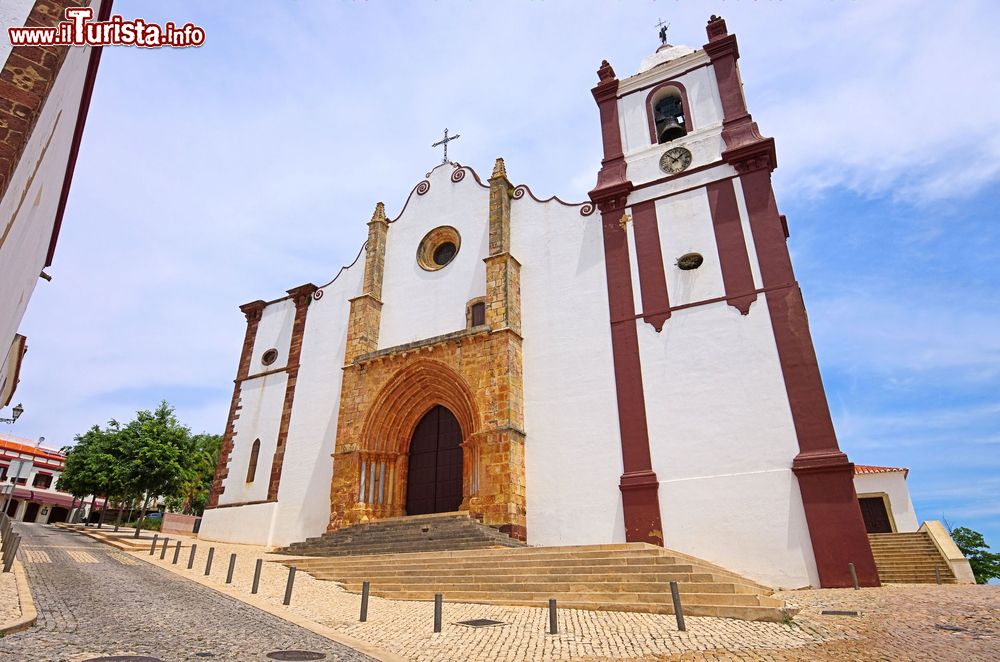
(698, 268)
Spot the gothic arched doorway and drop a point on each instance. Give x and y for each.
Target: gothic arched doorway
(434, 476)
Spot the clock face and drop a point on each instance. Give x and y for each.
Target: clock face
(675, 160)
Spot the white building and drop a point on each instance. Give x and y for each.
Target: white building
(28, 477)
(637, 367)
(47, 95)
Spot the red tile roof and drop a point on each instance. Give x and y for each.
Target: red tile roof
(14, 444)
(871, 469)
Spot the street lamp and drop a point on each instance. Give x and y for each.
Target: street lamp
(17, 411)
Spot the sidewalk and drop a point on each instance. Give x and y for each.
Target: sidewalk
(17, 609)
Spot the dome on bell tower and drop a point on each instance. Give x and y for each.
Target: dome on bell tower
(664, 53)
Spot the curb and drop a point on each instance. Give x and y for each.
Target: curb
(29, 615)
(323, 631)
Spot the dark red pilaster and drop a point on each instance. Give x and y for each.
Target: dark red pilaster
(734, 261)
(825, 475)
(253, 312)
(639, 485)
(301, 296)
(649, 254)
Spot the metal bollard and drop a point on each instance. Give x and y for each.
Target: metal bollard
(854, 575)
(152, 548)
(675, 595)
(937, 575)
(364, 601)
(288, 586)
(232, 567)
(256, 576)
(194, 548)
(11, 552)
(208, 564)
(163, 551)
(438, 599)
(553, 623)
(177, 552)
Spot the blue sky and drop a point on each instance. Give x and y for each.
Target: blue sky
(214, 176)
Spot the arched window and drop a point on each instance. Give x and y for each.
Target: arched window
(475, 312)
(252, 467)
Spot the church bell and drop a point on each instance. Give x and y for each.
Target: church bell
(670, 129)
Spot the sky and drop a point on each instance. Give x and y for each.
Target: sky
(213, 176)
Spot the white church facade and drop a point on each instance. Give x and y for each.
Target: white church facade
(637, 367)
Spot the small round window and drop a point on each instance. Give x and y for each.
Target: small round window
(269, 357)
(438, 248)
(444, 253)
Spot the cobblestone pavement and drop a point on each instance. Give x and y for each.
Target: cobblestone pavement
(94, 601)
(896, 623)
(405, 627)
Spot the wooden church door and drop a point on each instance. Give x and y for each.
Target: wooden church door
(875, 515)
(434, 478)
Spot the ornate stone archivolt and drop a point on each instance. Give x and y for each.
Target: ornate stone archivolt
(410, 393)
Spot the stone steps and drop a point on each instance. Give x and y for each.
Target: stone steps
(425, 533)
(909, 558)
(646, 584)
(622, 577)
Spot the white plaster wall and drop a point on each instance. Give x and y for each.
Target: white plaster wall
(13, 13)
(274, 331)
(262, 399)
(303, 506)
(420, 304)
(722, 443)
(304, 494)
(28, 208)
(573, 449)
(893, 484)
(249, 525)
(685, 226)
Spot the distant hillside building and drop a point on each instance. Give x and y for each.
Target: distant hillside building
(44, 97)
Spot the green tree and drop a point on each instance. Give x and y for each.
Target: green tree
(155, 449)
(151, 456)
(93, 465)
(985, 564)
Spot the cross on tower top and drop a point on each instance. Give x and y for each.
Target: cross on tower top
(444, 141)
